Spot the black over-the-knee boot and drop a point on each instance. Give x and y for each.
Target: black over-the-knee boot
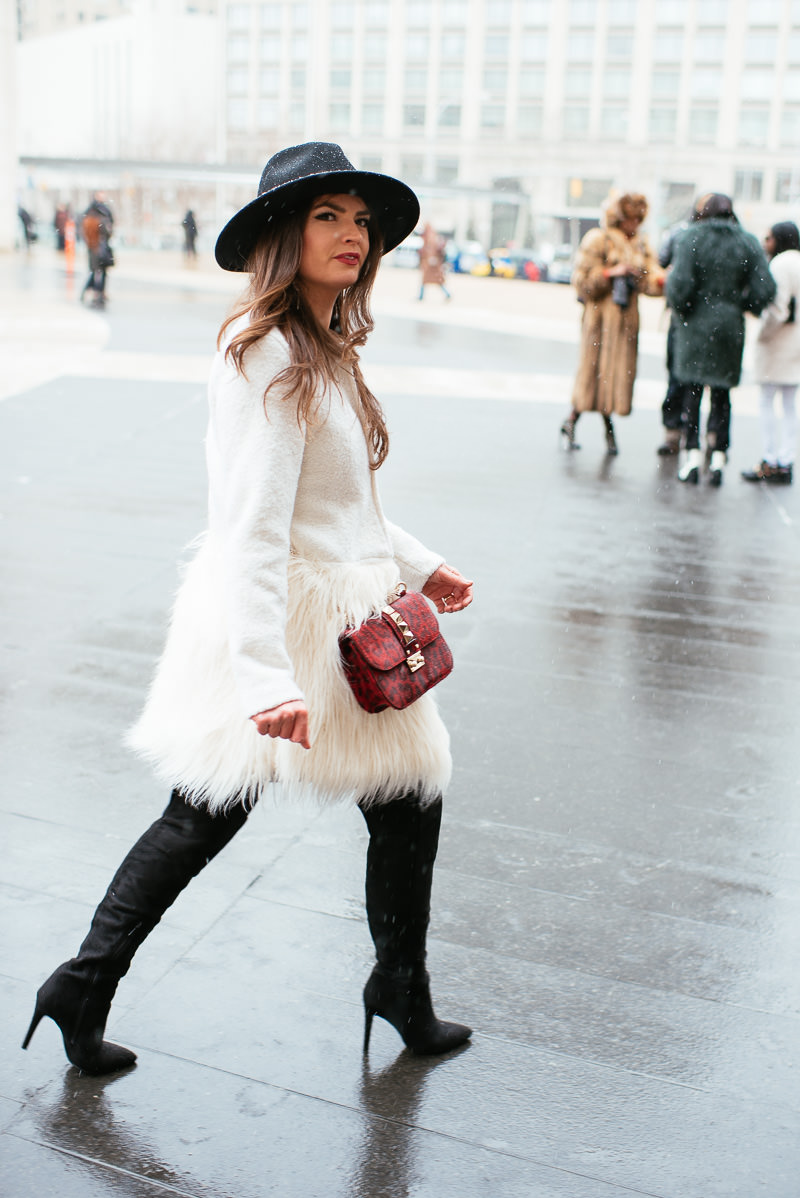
(162, 862)
(404, 836)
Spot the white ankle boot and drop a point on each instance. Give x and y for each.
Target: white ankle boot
(690, 470)
(716, 466)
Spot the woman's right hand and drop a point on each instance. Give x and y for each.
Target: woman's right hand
(289, 721)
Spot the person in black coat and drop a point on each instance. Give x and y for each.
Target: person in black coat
(719, 272)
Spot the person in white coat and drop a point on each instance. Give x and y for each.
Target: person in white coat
(777, 359)
(250, 690)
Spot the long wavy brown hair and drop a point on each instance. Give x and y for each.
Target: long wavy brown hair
(275, 300)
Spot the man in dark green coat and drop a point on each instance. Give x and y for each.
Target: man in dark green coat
(719, 272)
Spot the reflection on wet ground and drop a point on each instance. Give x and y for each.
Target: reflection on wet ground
(618, 886)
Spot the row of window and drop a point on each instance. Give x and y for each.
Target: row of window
(528, 121)
(344, 13)
(668, 46)
(755, 84)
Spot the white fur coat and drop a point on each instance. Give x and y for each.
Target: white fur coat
(777, 356)
(297, 549)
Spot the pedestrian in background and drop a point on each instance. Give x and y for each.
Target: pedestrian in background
(615, 264)
(189, 234)
(431, 260)
(719, 272)
(62, 215)
(28, 226)
(251, 689)
(777, 358)
(673, 404)
(97, 226)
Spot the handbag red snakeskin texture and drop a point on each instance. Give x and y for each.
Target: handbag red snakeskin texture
(392, 659)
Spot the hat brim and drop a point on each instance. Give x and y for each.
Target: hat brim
(392, 203)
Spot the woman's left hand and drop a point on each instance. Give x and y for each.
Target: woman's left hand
(448, 590)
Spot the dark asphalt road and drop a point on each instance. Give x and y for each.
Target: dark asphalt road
(617, 896)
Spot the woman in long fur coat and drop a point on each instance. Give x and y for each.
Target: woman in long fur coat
(250, 689)
(615, 264)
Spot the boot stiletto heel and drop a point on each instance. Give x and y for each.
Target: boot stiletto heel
(406, 1004)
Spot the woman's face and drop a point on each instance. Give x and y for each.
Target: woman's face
(769, 245)
(629, 225)
(335, 244)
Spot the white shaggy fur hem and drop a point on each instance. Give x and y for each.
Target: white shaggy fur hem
(193, 732)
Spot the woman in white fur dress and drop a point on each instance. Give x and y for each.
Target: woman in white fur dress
(250, 690)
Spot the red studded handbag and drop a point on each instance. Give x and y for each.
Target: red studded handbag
(394, 657)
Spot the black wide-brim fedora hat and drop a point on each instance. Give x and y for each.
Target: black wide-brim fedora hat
(296, 175)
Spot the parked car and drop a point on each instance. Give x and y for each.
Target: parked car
(407, 253)
(518, 264)
(463, 257)
(560, 269)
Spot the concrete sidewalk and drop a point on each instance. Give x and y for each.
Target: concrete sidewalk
(618, 887)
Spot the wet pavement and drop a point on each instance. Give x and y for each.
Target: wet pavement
(618, 889)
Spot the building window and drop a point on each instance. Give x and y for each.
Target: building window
(238, 113)
(757, 83)
(764, 12)
(787, 187)
(530, 120)
(617, 84)
(238, 48)
(299, 47)
(531, 81)
(341, 78)
(297, 78)
(270, 48)
(412, 167)
(790, 127)
(622, 12)
(339, 118)
(587, 193)
(416, 81)
(498, 12)
(342, 14)
(268, 114)
(450, 116)
(492, 117)
(533, 47)
(706, 83)
(663, 123)
(416, 46)
(373, 81)
(496, 45)
(372, 118)
(747, 185)
(376, 12)
(709, 45)
(238, 81)
(667, 46)
(372, 162)
(665, 84)
(619, 45)
(453, 45)
(576, 120)
(791, 85)
(614, 121)
(299, 15)
(451, 81)
(375, 46)
(577, 82)
(580, 47)
(418, 12)
(753, 126)
(703, 126)
(446, 171)
(495, 79)
(297, 117)
(238, 16)
(270, 16)
(712, 12)
(269, 81)
(761, 47)
(536, 12)
(341, 45)
(583, 12)
(414, 117)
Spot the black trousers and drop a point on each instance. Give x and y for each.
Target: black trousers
(719, 418)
